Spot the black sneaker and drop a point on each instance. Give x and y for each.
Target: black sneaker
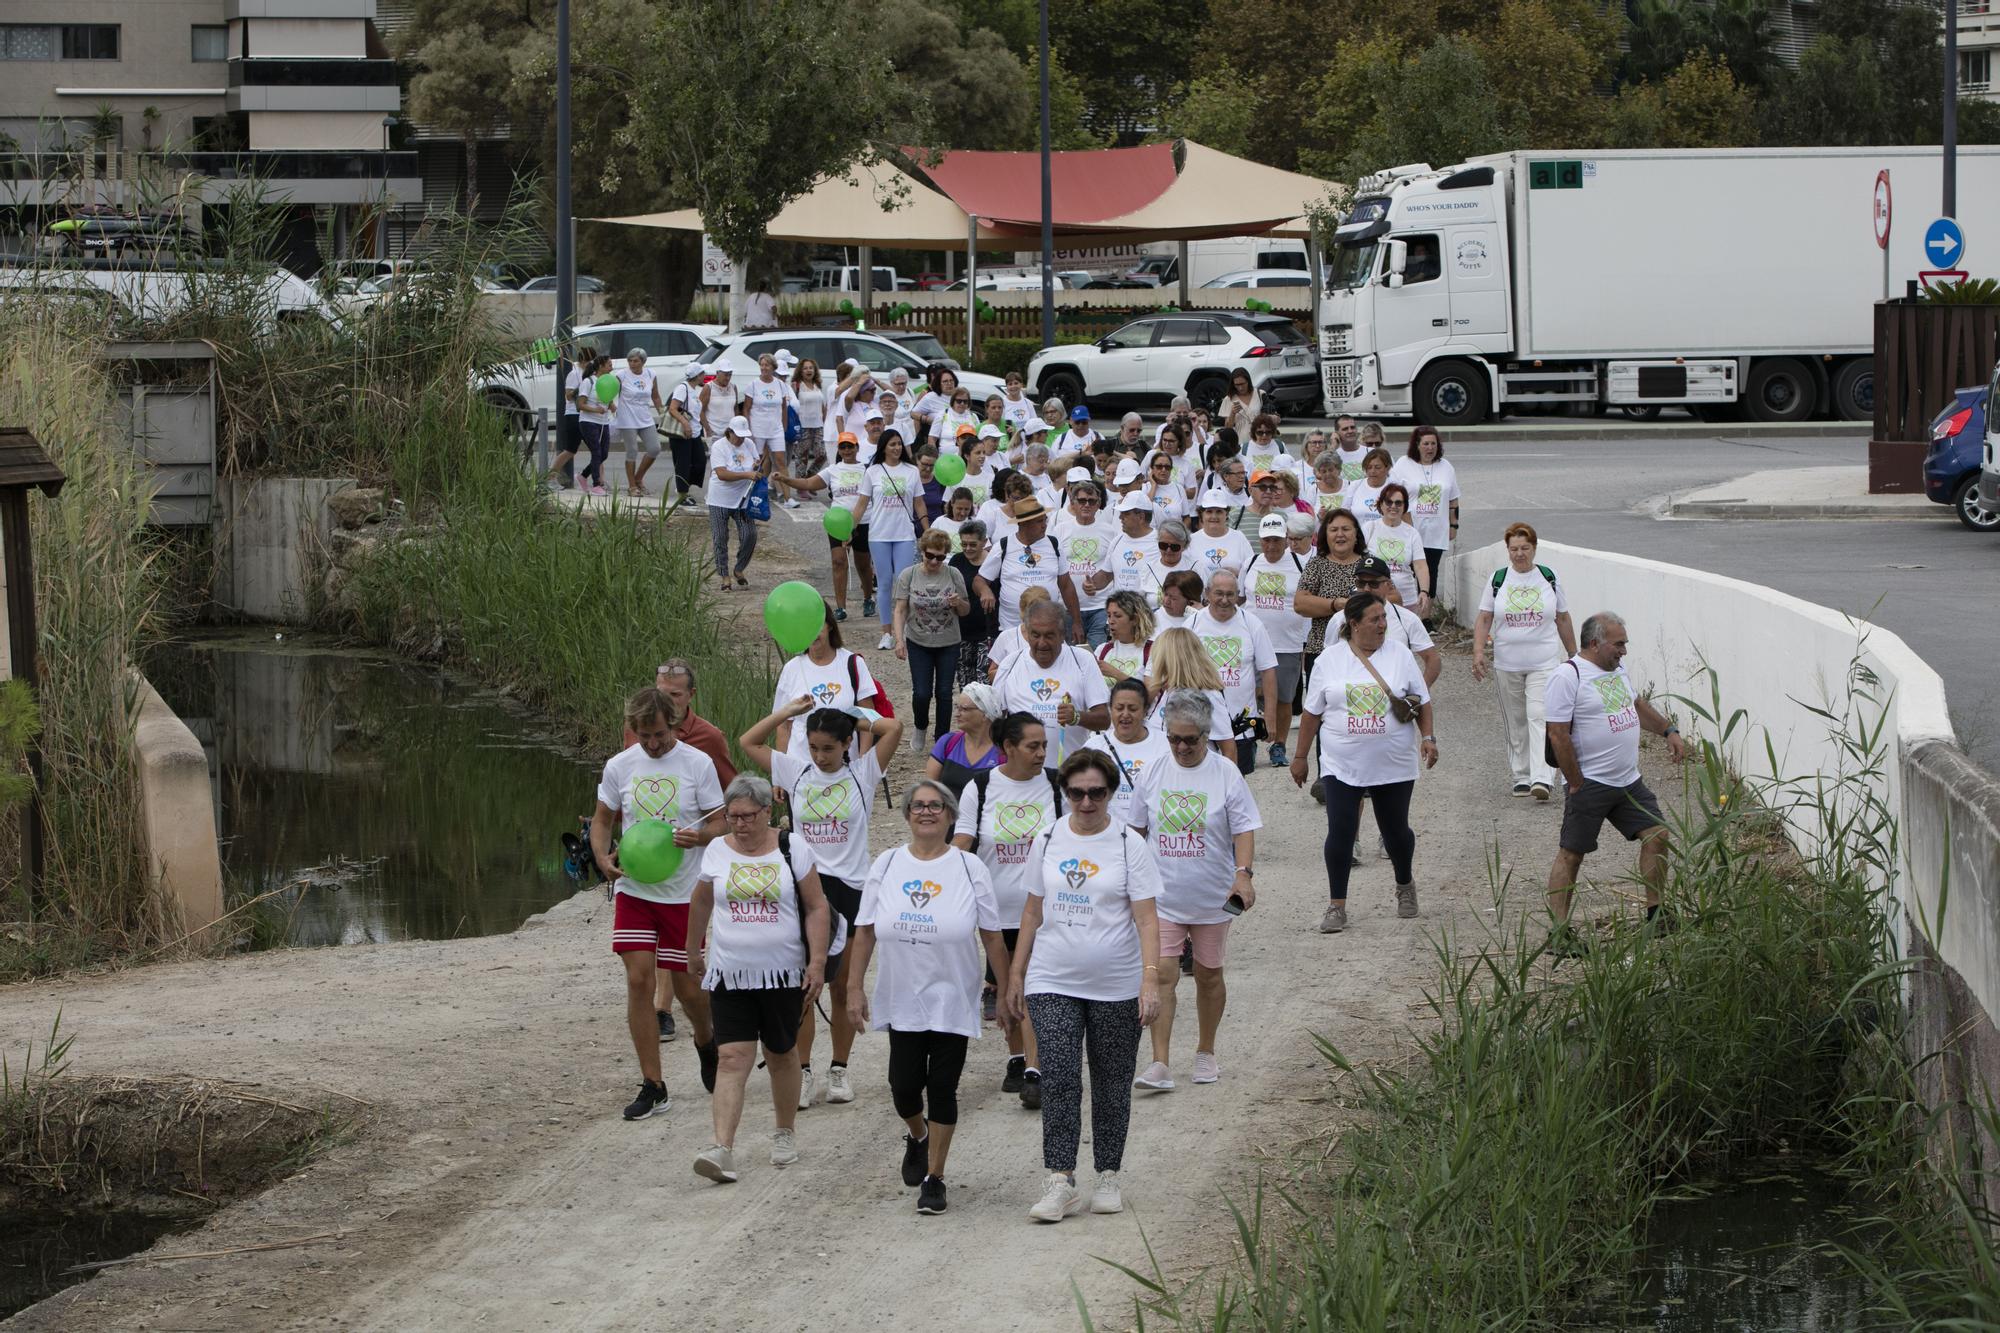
(989, 1005)
(652, 1100)
(1187, 958)
(1031, 1089)
(666, 1025)
(916, 1157)
(930, 1196)
(707, 1056)
(1017, 1065)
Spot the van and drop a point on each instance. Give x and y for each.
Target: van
(847, 278)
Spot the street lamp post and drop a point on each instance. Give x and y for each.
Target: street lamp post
(1951, 108)
(1048, 201)
(565, 229)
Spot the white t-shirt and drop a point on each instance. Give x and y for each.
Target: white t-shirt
(1088, 548)
(1359, 499)
(897, 410)
(635, 400)
(1026, 686)
(742, 457)
(1268, 590)
(830, 686)
(1603, 716)
(753, 933)
(1399, 548)
(1205, 554)
(1360, 741)
(931, 407)
(722, 405)
(999, 523)
(1129, 558)
(830, 810)
(680, 787)
(1267, 457)
(1088, 944)
(929, 962)
(1321, 500)
(1134, 760)
(949, 527)
(1017, 412)
(1433, 490)
(945, 426)
(1005, 647)
(1191, 817)
(573, 389)
(1407, 628)
(1218, 714)
(1020, 567)
(1123, 659)
(765, 403)
(1350, 463)
(1241, 650)
(1016, 814)
(1152, 577)
(1164, 620)
(811, 401)
(891, 492)
(980, 484)
(1525, 637)
(843, 482)
(1169, 501)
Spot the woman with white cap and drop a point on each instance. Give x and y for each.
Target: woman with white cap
(1271, 587)
(766, 399)
(635, 419)
(1217, 546)
(1087, 538)
(1135, 547)
(898, 407)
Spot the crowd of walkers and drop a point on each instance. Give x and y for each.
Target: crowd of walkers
(1107, 635)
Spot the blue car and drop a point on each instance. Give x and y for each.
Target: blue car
(1951, 468)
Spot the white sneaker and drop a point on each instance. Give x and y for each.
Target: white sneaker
(716, 1163)
(1061, 1200)
(1104, 1195)
(1155, 1076)
(838, 1089)
(784, 1149)
(917, 745)
(888, 641)
(805, 1089)
(1206, 1068)
(792, 503)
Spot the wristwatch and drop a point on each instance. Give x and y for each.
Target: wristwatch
(1246, 870)
(1431, 739)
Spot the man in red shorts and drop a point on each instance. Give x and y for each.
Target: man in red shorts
(676, 681)
(657, 777)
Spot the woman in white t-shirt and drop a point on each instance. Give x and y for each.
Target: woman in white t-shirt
(930, 409)
(1395, 541)
(831, 795)
(1016, 408)
(1002, 813)
(928, 915)
(1135, 747)
(764, 921)
(765, 401)
(980, 474)
(1164, 490)
(1433, 487)
(810, 447)
(1081, 974)
(1524, 619)
(958, 410)
(1128, 629)
(576, 383)
(1364, 750)
(833, 676)
(635, 420)
(1360, 496)
(594, 423)
(1217, 546)
(892, 503)
(841, 480)
(1196, 813)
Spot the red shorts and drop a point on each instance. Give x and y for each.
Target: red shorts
(659, 928)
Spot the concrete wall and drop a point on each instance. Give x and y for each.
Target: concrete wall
(177, 813)
(271, 535)
(533, 314)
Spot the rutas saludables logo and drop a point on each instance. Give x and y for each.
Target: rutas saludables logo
(657, 797)
(1267, 592)
(1524, 605)
(1616, 694)
(1367, 710)
(752, 892)
(1183, 824)
(825, 810)
(1226, 651)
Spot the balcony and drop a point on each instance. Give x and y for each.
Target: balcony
(331, 72)
(332, 177)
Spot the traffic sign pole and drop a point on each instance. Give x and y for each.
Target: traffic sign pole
(1882, 210)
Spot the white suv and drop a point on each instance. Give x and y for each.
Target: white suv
(828, 348)
(1153, 360)
(518, 388)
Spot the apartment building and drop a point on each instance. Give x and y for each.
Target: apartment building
(1978, 47)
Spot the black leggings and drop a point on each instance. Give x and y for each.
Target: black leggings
(597, 440)
(1343, 822)
(1067, 1031)
(926, 1063)
(1434, 557)
(690, 462)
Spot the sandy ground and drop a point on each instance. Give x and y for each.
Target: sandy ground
(488, 1180)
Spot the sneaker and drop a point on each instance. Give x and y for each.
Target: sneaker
(917, 745)
(806, 1089)
(1335, 919)
(1187, 958)
(1278, 759)
(868, 606)
(1540, 791)
(930, 1197)
(840, 613)
(1206, 1068)
(1156, 1077)
(989, 1006)
(652, 1100)
(1060, 1200)
(666, 1026)
(792, 503)
(1564, 942)
(838, 1089)
(1104, 1195)
(1017, 1067)
(1406, 900)
(784, 1149)
(706, 1054)
(1520, 789)
(916, 1156)
(716, 1163)
(1031, 1089)
(888, 642)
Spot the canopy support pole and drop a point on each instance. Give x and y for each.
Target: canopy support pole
(866, 280)
(971, 282)
(1181, 263)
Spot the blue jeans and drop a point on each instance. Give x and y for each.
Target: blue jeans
(1094, 629)
(932, 674)
(891, 559)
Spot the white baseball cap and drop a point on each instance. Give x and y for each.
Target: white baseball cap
(785, 357)
(872, 414)
(723, 368)
(989, 431)
(1135, 501)
(1215, 498)
(694, 370)
(1078, 474)
(1271, 525)
(739, 426)
(1128, 472)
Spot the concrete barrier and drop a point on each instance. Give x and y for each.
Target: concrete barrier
(1777, 658)
(177, 814)
(271, 534)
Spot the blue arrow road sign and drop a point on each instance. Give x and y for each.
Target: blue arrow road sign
(1944, 243)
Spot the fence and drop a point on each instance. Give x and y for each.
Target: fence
(1922, 353)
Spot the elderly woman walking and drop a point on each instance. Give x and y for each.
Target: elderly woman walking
(1082, 973)
(1524, 620)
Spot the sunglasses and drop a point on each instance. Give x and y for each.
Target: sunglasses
(933, 555)
(1390, 504)
(1185, 741)
(1092, 794)
(1170, 546)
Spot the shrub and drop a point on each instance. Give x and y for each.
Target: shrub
(997, 356)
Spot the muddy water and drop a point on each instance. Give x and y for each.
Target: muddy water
(36, 1252)
(375, 799)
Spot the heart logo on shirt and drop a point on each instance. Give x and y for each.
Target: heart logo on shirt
(1614, 691)
(1045, 687)
(1225, 651)
(1083, 551)
(922, 892)
(1183, 811)
(1076, 871)
(1524, 599)
(1268, 585)
(1017, 820)
(656, 796)
(824, 695)
(833, 802)
(756, 882)
(1367, 701)
(1429, 497)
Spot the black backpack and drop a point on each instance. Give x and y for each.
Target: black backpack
(1001, 550)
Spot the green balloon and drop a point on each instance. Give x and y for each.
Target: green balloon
(949, 469)
(839, 525)
(607, 389)
(648, 852)
(794, 612)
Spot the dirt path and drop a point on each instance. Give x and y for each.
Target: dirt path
(491, 1183)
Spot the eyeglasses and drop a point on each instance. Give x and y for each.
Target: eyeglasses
(1260, 434)
(1079, 795)
(1170, 546)
(926, 807)
(1181, 742)
(743, 816)
(961, 402)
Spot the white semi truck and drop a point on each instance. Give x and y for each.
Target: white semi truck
(1724, 280)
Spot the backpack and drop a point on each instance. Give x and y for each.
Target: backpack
(983, 777)
(879, 701)
(1001, 550)
(1500, 576)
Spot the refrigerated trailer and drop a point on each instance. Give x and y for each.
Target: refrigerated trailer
(1723, 280)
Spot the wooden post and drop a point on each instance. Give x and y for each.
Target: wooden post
(20, 557)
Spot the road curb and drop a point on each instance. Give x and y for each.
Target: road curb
(1832, 509)
(1599, 432)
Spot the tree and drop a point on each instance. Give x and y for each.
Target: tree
(979, 93)
(1138, 51)
(462, 56)
(1699, 105)
(1386, 107)
(1216, 110)
(1835, 96)
(1544, 67)
(1664, 34)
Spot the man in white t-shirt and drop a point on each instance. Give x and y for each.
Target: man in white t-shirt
(1059, 683)
(1023, 559)
(1137, 545)
(1273, 583)
(1243, 657)
(1595, 717)
(734, 464)
(657, 777)
(1347, 448)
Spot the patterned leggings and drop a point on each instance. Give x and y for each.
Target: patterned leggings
(1064, 1028)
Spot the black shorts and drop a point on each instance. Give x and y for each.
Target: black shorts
(769, 1015)
(1011, 937)
(1632, 811)
(845, 899)
(859, 540)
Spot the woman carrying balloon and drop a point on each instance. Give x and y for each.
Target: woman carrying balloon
(594, 398)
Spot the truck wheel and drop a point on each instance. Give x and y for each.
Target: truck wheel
(1451, 393)
(1854, 390)
(1207, 393)
(1064, 385)
(1780, 389)
(1965, 503)
(1640, 412)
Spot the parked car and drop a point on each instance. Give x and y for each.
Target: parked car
(547, 283)
(923, 345)
(520, 388)
(1262, 277)
(1150, 361)
(1953, 464)
(930, 282)
(830, 347)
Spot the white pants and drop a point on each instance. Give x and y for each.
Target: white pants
(1523, 702)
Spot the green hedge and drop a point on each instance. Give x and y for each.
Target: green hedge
(997, 356)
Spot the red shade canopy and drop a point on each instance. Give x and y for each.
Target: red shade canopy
(1087, 187)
